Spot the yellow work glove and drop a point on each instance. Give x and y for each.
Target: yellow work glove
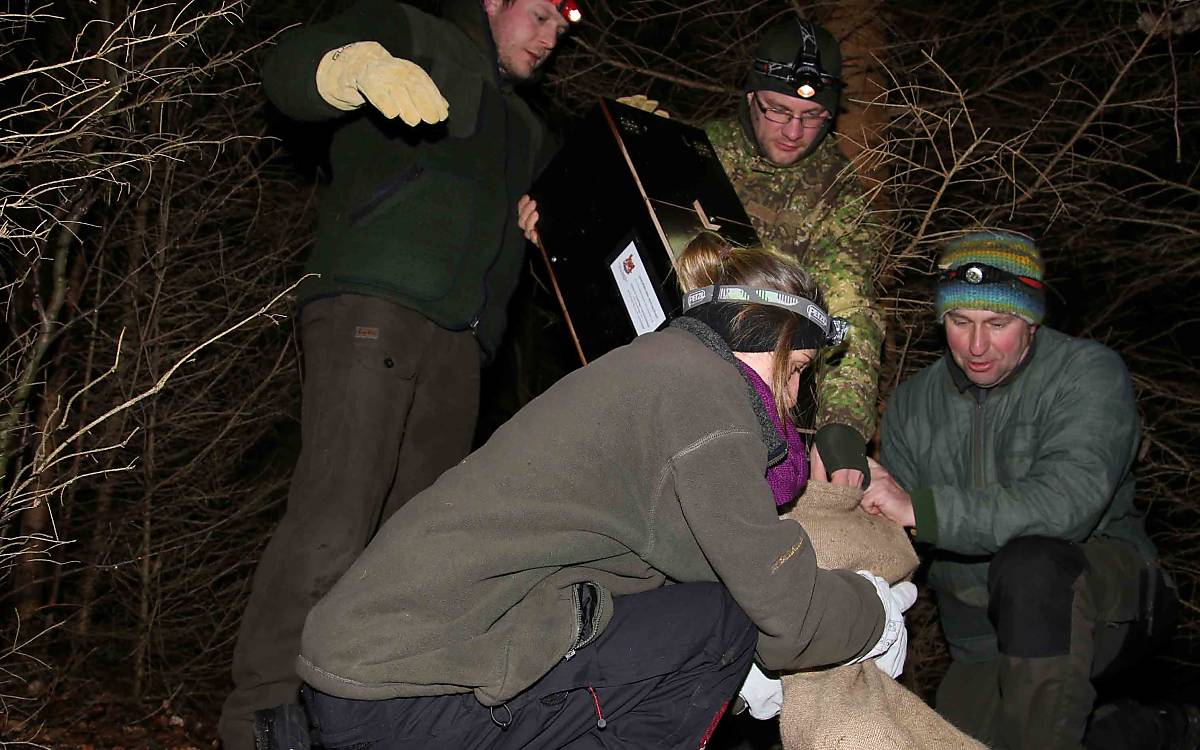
(640, 101)
(365, 71)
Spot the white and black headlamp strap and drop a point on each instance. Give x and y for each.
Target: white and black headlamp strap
(832, 329)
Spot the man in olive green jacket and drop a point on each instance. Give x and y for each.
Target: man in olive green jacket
(416, 256)
(1011, 456)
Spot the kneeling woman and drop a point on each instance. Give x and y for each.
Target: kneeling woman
(604, 570)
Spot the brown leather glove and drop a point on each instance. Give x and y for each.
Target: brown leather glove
(366, 72)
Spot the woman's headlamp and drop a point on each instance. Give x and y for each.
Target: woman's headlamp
(832, 329)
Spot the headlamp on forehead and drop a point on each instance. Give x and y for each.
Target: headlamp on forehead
(804, 74)
(833, 330)
(982, 273)
(569, 10)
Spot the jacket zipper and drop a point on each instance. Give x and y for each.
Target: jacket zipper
(474, 324)
(977, 442)
(384, 192)
(580, 640)
(578, 622)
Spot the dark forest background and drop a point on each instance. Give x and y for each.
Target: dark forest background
(155, 212)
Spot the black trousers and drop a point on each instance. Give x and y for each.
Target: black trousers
(660, 676)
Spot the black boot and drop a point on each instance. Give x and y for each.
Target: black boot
(1128, 725)
(1180, 723)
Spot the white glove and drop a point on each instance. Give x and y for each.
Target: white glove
(763, 695)
(893, 644)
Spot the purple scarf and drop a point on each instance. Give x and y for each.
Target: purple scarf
(790, 475)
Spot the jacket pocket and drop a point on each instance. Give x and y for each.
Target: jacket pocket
(414, 233)
(383, 194)
(589, 603)
(1017, 450)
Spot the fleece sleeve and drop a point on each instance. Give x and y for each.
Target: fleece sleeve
(806, 616)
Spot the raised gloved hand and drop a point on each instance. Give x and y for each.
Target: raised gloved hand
(889, 653)
(763, 695)
(365, 71)
(642, 102)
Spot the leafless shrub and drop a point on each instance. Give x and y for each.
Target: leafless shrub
(150, 246)
(143, 215)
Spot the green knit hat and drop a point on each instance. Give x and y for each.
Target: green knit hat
(992, 270)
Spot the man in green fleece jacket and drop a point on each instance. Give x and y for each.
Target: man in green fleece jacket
(1011, 457)
(417, 253)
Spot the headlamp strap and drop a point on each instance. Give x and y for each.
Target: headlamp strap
(834, 329)
(809, 49)
(805, 72)
(982, 273)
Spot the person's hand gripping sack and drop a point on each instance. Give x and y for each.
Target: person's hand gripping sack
(889, 653)
(366, 72)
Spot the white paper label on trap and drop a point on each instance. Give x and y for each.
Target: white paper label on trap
(637, 292)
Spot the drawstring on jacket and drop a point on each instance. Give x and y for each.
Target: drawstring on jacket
(497, 722)
(600, 722)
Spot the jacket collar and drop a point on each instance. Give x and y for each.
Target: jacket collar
(964, 384)
(776, 446)
(470, 17)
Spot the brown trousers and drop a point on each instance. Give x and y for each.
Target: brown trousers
(390, 402)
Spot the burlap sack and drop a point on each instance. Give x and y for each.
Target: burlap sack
(846, 536)
(857, 706)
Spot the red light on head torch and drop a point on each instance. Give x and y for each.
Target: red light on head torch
(570, 10)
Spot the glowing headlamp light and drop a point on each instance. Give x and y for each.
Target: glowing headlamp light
(808, 79)
(569, 10)
(804, 74)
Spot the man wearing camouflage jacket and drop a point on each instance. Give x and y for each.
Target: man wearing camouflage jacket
(794, 184)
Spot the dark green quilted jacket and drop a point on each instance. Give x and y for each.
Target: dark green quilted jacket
(1048, 452)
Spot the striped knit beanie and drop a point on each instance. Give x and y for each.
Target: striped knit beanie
(1007, 251)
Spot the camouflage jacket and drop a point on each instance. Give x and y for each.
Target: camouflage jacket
(815, 213)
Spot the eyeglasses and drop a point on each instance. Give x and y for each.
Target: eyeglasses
(783, 117)
(982, 273)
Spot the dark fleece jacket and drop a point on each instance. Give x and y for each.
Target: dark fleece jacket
(423, 216)
(642, 469)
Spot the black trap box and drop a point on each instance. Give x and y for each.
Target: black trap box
(621, 199)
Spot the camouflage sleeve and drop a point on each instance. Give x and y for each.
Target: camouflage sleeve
(828, 227)
(843, 262)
